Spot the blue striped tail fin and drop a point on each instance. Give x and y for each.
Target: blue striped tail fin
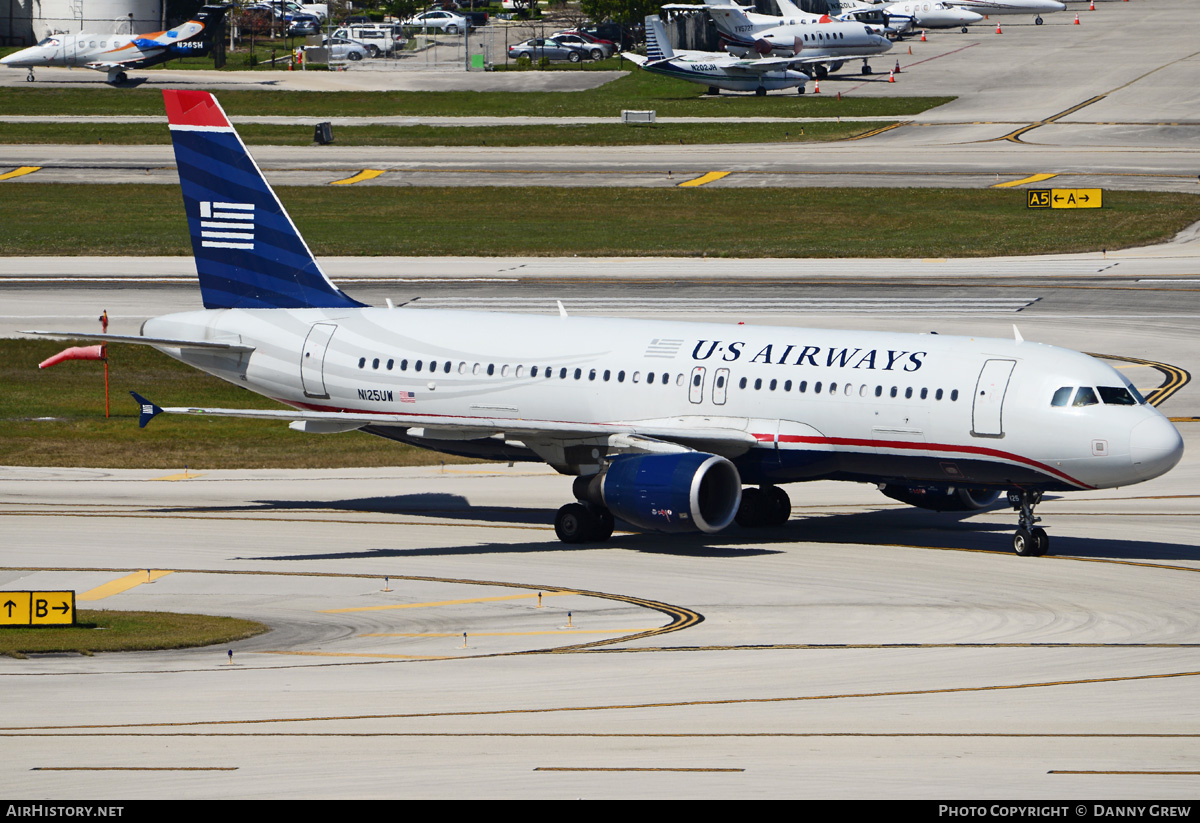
(249, 254)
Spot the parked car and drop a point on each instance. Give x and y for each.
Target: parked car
(445, 21)
(341, 48)
(624, 39)
(596, 49)
(304, 24)
(539, 47)
(379, 39)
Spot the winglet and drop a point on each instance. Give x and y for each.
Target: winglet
(149, 410)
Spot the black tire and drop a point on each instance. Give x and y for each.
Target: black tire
(605, 522)
(574, 57)
(1038, 21)
(753, 510)
(372, 50)
(354, 56)
(597, 54)
(575, 523)
(451, 29)
(866, 69)
(1041, 541)
(781, 506)
(1024, 543)
(760, 92)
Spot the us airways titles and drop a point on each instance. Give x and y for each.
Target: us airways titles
(830, 357)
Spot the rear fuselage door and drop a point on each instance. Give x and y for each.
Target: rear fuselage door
(312, 359)
(987, 410)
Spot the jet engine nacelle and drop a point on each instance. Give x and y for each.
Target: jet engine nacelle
(942, 498)
(690, 491)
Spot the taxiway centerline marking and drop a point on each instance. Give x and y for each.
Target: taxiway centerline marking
(123, 584)
(704, 179)
(365, 174)
(1035, 178)
(20, 172)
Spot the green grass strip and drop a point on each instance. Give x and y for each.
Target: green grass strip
(122, 631)
(366, 220)
(636, 90)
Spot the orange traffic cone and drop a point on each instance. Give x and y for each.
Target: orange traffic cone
(910, 51)
(922, 35)
(1077, 19)
(897, 69)
(891, 77)
(998, 29)
(816, 86)
(1092, 5)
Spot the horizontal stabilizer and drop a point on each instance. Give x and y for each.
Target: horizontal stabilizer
(149, 410)
(138, 340)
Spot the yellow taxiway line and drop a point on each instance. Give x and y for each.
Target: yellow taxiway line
(708, 178)
(442, 603)
(365, 174)
(21, 172)
(123, 584)
(1036, 178)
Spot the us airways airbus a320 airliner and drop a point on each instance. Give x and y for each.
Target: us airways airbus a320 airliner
(661, 422)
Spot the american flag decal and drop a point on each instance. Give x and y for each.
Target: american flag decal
(406, 397)
(226, 225)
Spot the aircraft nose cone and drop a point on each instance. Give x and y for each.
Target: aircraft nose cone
(1155, 446)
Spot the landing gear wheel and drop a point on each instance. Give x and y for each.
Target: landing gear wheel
(866, 69)
(754, 509)
(604, 524)
(781, 506)
(1038, 20)
(1024, 544)
(760, 92)
(1029, 541)
(575, 523)
(964, 29)
(29, 79)
(1041, 541)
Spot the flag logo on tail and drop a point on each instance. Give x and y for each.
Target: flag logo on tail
(226, 225)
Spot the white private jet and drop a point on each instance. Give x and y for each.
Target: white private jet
(717, 70)
(906, 15)
(990, 7)
(661, 422)
(824, 43)
(115, 54)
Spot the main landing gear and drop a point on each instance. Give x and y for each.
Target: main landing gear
(1029, 541)
(583, 523)
(764, 506)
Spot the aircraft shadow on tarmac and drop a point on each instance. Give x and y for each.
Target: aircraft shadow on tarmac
(986, 531)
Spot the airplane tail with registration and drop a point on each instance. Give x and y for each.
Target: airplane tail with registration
(248, 252)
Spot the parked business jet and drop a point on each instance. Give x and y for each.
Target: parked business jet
(990, 7)
(661, 422)
(906, 15)
(823, 43)
(717, 70)
(115, 54)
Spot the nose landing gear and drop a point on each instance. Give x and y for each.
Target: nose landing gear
(29, 79)
(1029, 541)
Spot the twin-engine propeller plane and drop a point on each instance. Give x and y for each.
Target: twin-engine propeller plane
(115, 54)
(661, 422)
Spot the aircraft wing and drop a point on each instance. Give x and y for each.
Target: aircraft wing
(669, 435)
(763, 65)
(110, 65)
(636, 59)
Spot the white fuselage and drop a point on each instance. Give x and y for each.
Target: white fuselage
(990, 7)
(743, 32)
(857, 405)
(931, 14)
(715, 69)
(71, 50)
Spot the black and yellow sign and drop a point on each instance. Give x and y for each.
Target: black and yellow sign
(1064, 198)
(37, 608)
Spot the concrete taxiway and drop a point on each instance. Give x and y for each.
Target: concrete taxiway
(431, 637)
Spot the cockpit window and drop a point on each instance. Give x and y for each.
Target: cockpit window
(49, 41)
(1085, 397)
(1116, 396)
(1063, 396)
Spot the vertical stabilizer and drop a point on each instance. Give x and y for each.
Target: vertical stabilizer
(658, 47)
(248, 252)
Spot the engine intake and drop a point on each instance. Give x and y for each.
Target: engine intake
(690, 491)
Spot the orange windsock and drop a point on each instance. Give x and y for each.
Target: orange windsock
(74, 353)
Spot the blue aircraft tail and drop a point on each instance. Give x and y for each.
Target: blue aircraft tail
(248, 252)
